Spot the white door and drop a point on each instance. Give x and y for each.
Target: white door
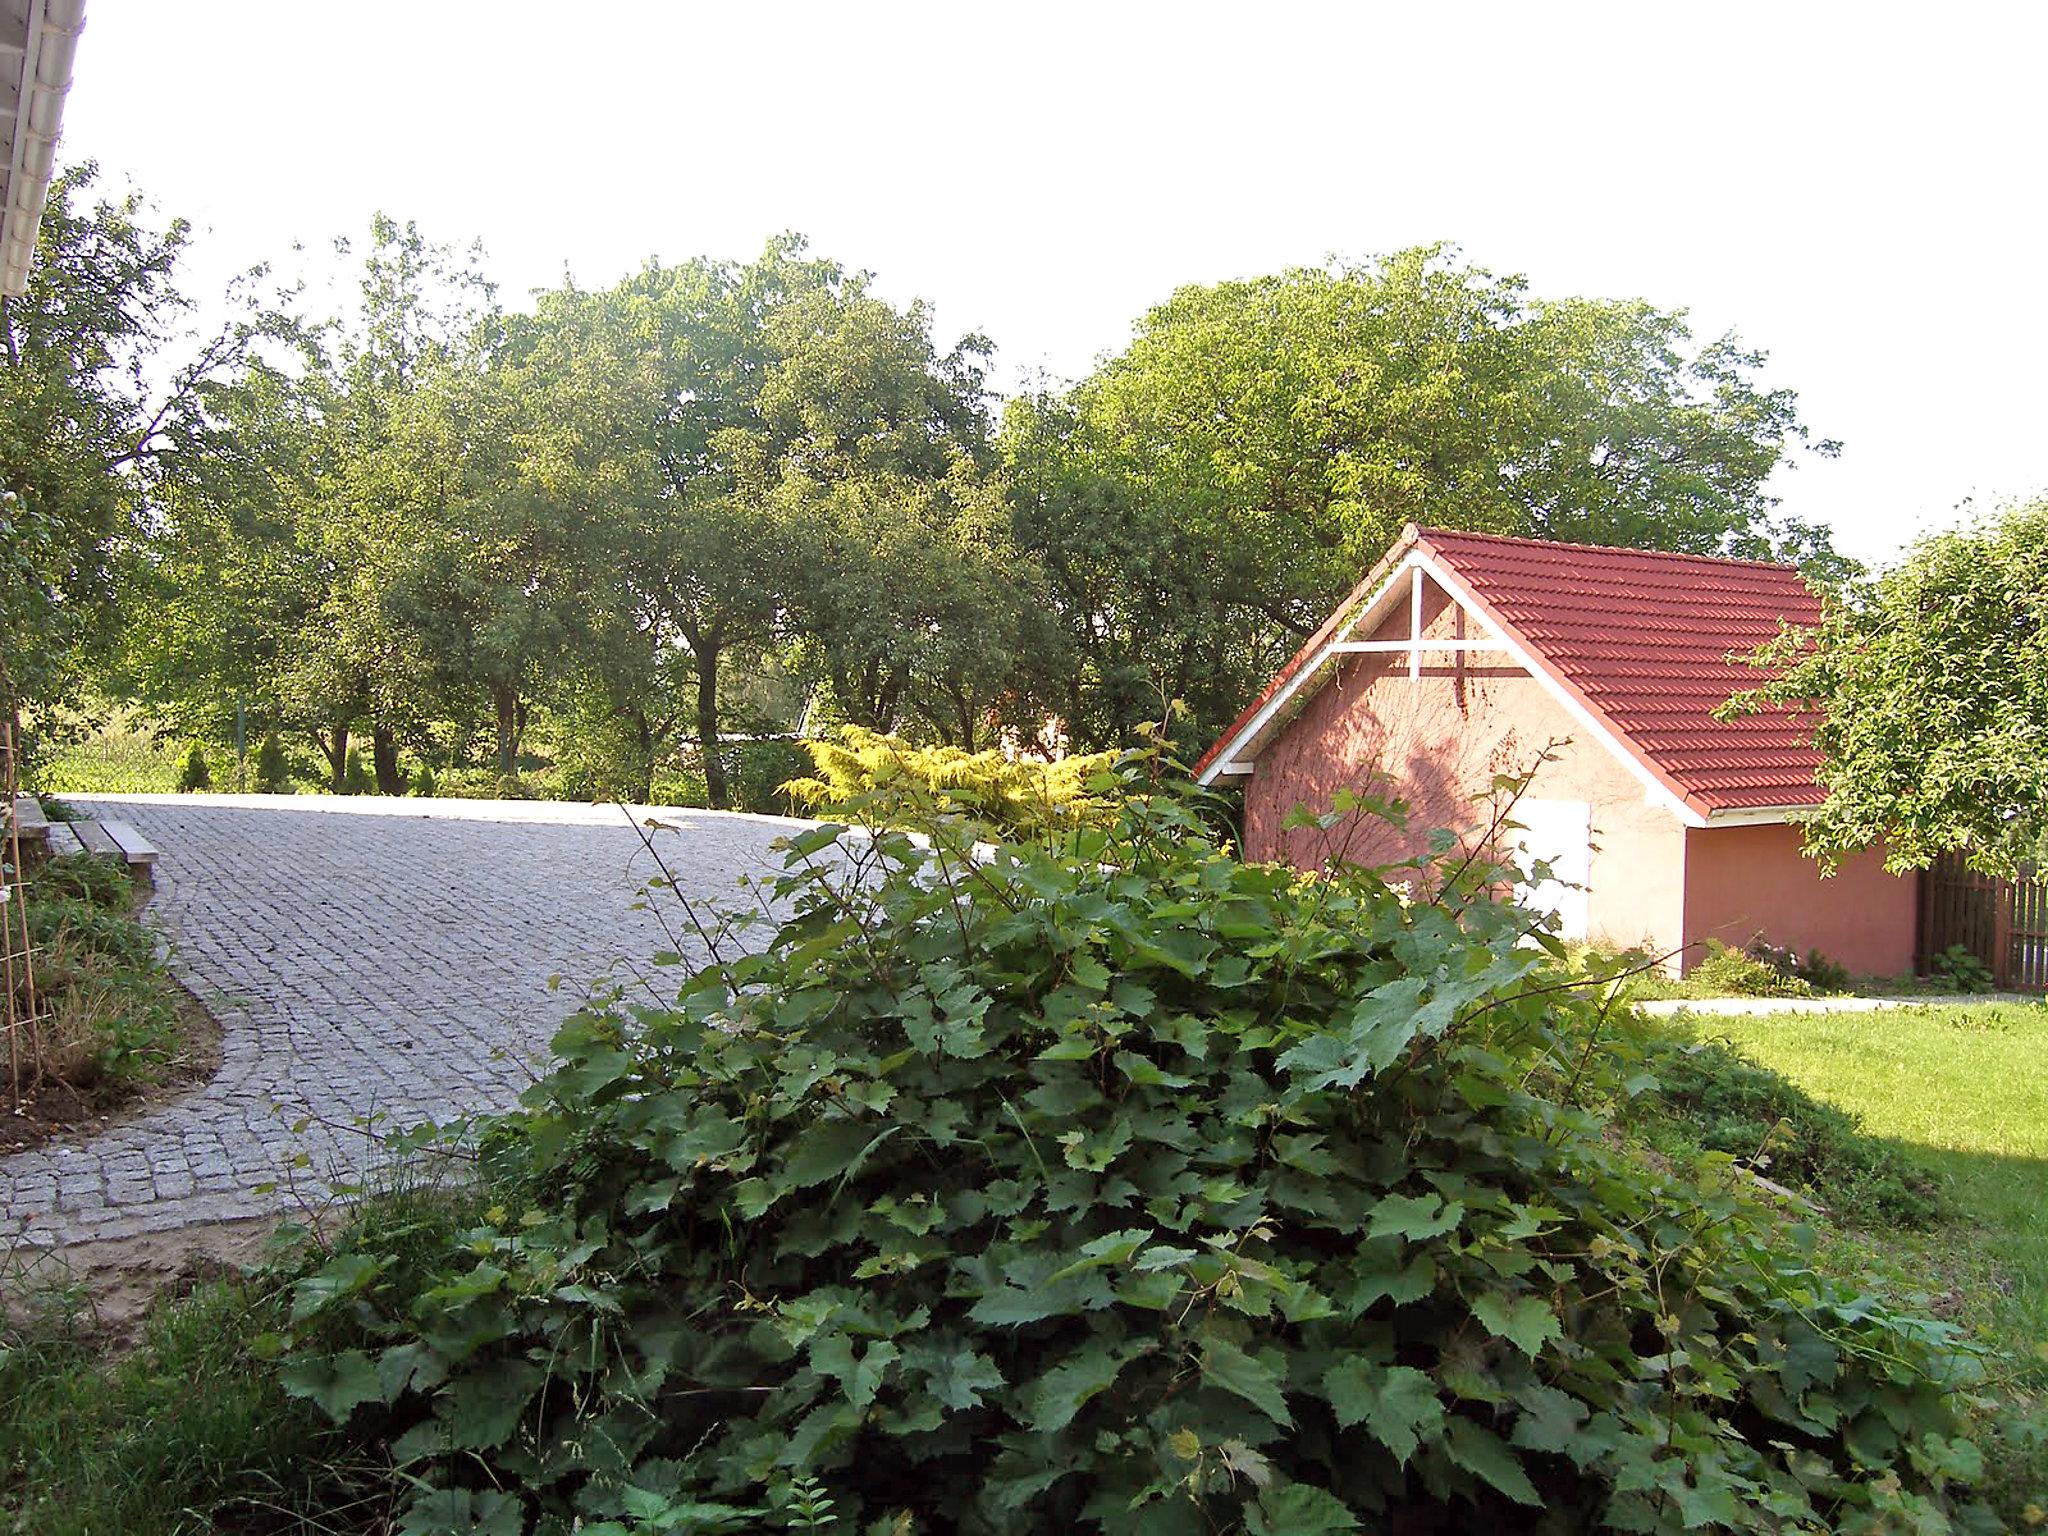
(1560, 833)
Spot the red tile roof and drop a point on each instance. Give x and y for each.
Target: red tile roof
(1641, 639)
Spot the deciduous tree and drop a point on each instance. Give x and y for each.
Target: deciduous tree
(1931, 684)
(104, 399)
(1202, 498)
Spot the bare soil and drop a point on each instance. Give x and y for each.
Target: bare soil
(121, 1279)
(53, 1110)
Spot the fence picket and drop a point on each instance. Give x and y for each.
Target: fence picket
(2004, 923)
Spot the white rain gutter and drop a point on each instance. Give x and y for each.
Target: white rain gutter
(45, 39)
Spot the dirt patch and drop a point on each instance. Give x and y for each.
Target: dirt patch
(118, 1281)
(57, 1111)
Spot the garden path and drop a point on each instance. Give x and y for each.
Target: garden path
(366, 957)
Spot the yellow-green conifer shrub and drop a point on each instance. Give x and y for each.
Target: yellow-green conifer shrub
(1020, 796)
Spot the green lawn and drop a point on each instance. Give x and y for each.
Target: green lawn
(1965, 1089)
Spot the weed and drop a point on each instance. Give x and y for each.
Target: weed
(188, 1433)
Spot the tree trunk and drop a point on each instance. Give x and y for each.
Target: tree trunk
(643, 759)
(384, 758)
(707, 727)
(506, 701)
(334, 746)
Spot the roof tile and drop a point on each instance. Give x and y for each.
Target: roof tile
(1646, 638)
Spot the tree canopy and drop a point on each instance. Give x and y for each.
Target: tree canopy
(1931, 683)
(104, 397)
(664, 512)
(1203, 498)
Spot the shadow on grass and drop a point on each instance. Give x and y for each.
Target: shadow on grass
(1999, 1244)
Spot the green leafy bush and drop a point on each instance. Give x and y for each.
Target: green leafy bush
(1733, 971)
(1958, 969)
(470, 783)
(1117, 1185)
(759, 773)
(1715, 1098)
(193, 774)
(1012, 795)
(423, 782)
(1816, 970)
(679, 787)
(356, 778)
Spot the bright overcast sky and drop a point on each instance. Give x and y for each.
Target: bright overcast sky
(1859, 192)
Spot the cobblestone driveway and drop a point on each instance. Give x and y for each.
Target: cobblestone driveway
(364, 956)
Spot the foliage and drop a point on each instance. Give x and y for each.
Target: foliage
(1816, 970)
(432, 522)
(355, 778)
(1202, 500)
(101, 883)
(193, 773)
(1019, 796)
(1711, 1095)
(424, 783)
(1742, 974)
(188, 1431)
(103, 399)
(1960, 970)
(1932, 686)
(1117, 1185)
(273, 767)
(105, 1009)
(761, 773)
(814, 463)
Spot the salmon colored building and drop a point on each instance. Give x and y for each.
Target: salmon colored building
(1465, 655)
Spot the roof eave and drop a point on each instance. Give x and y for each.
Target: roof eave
(1758, 815)
(44, 42)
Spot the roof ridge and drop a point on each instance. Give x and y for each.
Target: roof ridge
(1425, 531)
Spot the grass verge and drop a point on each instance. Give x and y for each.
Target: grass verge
(110, 1022)
(187, 1433)
(1962, 1092)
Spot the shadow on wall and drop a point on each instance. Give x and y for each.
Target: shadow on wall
(1431, 799)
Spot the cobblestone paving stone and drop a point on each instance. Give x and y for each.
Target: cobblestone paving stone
(364, 959)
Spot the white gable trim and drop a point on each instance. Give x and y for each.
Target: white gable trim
(1241, 753)
(1238, 757)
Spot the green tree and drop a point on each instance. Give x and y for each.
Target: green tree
(911, 597)
(424, 314)
(905, 591)
(1931, 686)
(1202, 499)
(105, 396)
(762, 423)
(270, 574)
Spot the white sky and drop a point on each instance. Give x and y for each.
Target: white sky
(1857, 190)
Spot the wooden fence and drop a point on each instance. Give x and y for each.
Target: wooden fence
(2004, 923)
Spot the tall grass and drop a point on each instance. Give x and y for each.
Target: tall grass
(187, 1433)
(119, 756)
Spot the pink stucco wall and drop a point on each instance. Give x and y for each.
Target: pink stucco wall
(1439, 740)
(1744, 881)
